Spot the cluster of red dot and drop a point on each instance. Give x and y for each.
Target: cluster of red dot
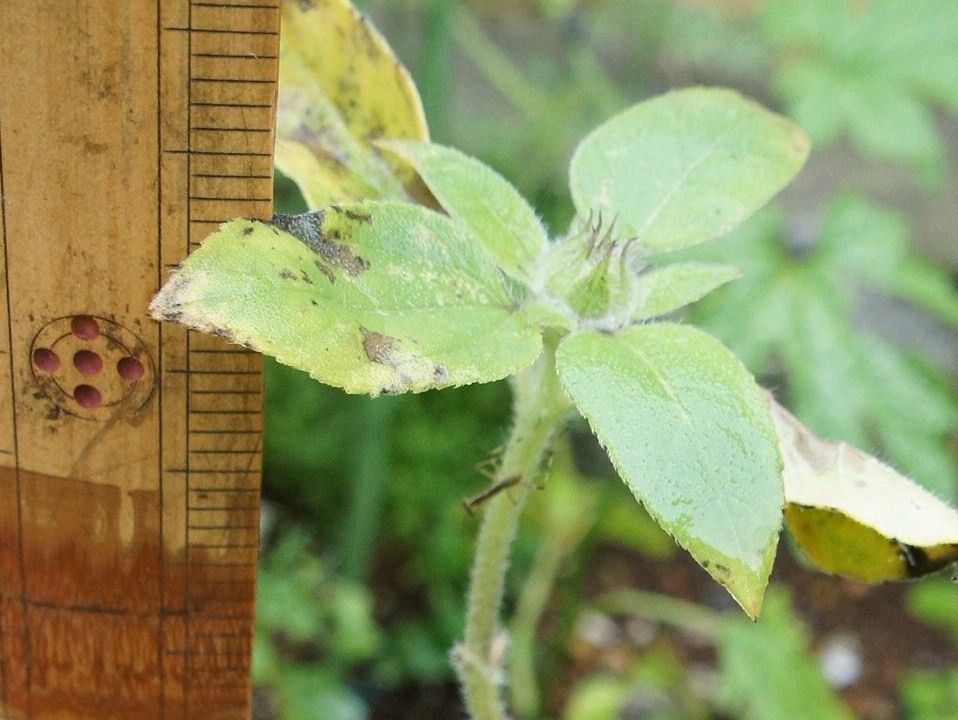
(87, 363)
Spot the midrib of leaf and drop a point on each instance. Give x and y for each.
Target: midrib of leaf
(676, 186)
(687, 417)
(373, 303)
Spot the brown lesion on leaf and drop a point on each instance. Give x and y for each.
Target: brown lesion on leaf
(325, 270)
(309, 229)
(287, 274)
(224, 333)
(379, 348)
(165, 305)
(720, 572)
(355, 215)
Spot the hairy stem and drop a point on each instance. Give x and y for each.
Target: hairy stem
(539, 408)
(369, 486)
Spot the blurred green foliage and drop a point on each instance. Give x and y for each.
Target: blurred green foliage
(804, 310)
(366, 558)
(874, 70)
(930, 695)
(765, 672)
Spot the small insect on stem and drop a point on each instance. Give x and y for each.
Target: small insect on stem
(489, 466)
(476, 500)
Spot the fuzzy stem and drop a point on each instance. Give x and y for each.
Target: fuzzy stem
(539, 407)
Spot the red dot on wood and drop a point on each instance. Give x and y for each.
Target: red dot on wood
(130, 369)
(87, 396)
(46, 360)
(85, 327)
(87, 362)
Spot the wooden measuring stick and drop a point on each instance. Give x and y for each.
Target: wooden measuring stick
(129, 452)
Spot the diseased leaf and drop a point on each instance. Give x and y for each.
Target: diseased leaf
(685, 167)
(688, 430)
(341, 89)
(484, 201)
(853, 515)
(766, 671)
(374, 297)
(668, 288)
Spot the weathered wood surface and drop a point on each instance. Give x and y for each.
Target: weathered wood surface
(130, 453)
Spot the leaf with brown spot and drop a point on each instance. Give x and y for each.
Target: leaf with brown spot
(375, 297)
(341, 88)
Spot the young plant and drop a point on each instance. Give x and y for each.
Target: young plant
(388, 296)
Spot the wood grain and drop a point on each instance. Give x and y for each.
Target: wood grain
(129, 453)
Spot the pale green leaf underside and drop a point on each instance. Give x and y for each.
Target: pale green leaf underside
(685, 167)
(689, 432)
(853, 515)
(483, 201)
(371, 297)
(665, 289)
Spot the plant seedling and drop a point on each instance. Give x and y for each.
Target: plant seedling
(387, 295)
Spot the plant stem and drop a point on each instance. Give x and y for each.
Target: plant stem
(539, 407)
(498, 69)
(532, 604)
(687, 616)
(435, 64)
(368, 487)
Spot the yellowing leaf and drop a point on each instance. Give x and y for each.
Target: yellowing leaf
(341, 89)
(374, 297)
(852, 515)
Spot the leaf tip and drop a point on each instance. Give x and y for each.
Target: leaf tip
(745, 585)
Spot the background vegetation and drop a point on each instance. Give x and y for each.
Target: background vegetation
(848, 308)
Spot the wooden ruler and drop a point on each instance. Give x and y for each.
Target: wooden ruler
(130, 452)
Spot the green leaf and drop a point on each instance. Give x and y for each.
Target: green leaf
(481, 199)
(341, 88)
(372, 297)
(685, 167)
(688, 430)
(668, 288)
(853, 515)
(766, 671)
